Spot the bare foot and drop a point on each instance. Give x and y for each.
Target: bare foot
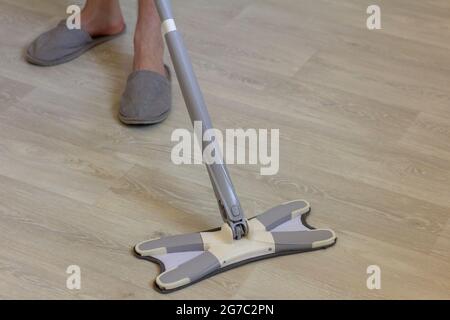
(102, 18)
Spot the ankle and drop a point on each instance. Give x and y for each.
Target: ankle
(149, 50)
(102, 24)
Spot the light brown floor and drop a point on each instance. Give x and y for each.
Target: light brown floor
(365, 137)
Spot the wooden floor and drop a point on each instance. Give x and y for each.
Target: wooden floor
(365, 137)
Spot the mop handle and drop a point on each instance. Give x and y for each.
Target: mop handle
(229, 204)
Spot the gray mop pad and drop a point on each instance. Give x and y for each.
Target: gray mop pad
(60, 45)
(188, 259)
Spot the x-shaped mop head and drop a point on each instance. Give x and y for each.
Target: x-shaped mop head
(187, 259)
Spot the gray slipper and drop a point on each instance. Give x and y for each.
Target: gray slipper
(61, 45)
(147, 98)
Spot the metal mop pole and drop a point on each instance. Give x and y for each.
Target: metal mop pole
(229, 204)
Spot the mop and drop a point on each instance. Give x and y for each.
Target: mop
(282, 230)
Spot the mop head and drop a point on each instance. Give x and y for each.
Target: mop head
(187, 259)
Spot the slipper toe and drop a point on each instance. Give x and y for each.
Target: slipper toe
(56, 44)
(147, 98)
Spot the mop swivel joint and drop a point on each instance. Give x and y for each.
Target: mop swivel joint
(239, 229)
(235, 219)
